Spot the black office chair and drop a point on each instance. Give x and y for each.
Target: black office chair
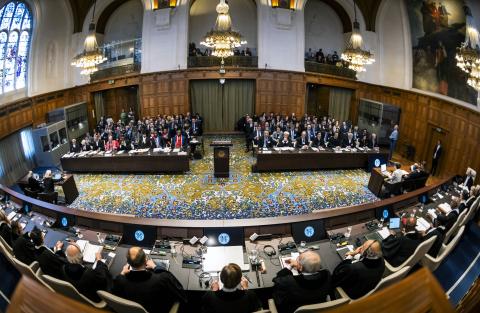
(51, 197)
(30, 193)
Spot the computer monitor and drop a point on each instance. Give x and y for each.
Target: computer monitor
(309, 231)
(65, 221)
(384, 213)
(226, 236)
(394, 223)
(376, 161)
(139, 235)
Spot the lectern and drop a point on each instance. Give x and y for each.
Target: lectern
(221, 158)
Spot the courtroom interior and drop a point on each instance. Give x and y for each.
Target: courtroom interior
(239, 156)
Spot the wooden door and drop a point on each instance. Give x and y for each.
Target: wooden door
(434, 134)
(119, 99)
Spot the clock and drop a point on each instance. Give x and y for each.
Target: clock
(221, 154)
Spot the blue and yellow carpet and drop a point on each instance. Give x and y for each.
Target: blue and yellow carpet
(198, 195)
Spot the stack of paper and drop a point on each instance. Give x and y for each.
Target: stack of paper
(315, 149)
(445, 208)
(432, 213)
(384, 232)
(284, 263)
(156, 150)
(422, 224)
(89, 250)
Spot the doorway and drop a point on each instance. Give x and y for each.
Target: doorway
(318, 98)
(222, 105)
(110, 103)
(434, 134)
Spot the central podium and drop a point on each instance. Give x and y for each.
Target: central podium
(221, 157)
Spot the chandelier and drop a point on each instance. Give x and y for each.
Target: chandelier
(222, 39)
(354, 55)
(468, 54)
(91, 55)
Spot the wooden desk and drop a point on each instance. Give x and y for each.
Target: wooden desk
(67, 184)
(311, 160)
(152, 162)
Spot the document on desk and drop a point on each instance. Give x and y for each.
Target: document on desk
(422, 224)
(445, 208)
(216, 258)
(384, 232)
(284, 264)
(89, 250)
(432, 213)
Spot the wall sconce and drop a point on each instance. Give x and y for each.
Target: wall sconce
(283, 4)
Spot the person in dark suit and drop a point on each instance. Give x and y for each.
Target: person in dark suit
(437, 153)
(24, 249)
(449, 219)
(265, 141)
(155, 288)
(334, 141)
(257, 134)
(85, 146)
(33, 184)
(285, 141)
(361, 271)
(318, 141)
(469, 178)
(417, 172)
(48, 184)
(51, 261)
(74, 147)
(438, 230)
(234, 297)
(97, 144)
(86, 279)
(313, 285)
(5, 229)
(348, 141)
(144, 142)
(303, 142)
(249, 130)
(196, 128)
(397, 249)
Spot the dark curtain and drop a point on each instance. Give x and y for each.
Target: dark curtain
(16, 156)
(340, 100)
(222, 106)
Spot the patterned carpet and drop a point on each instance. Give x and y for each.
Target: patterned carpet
(198, 195)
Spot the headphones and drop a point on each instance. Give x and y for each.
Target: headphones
(204, 280)
(269, 250)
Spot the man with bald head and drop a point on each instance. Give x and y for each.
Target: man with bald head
(87, 279)
(312, 285)
(361, 270)
(152, 286)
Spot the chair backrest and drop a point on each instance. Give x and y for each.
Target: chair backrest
(452, 231)
(6, 246)
(471, 212)
(48, 197)
(24, 269)
(451, 245)
(390, 280)
(324, 306)
(66, 289)
(120, 305)
(30, 193)
(421, 250)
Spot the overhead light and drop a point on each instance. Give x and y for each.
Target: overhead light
(468, 54)
(356, 57)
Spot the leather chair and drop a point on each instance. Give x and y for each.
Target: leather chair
(311, 308)
(121, 305)
(29, 270)
(433, 263)
(30, 193)
(51, 197)
(456, 226)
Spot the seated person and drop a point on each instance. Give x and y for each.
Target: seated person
(277, 135)
(74, 147)
(285, 142)
(348, 141)
(313, 285)
(196, 127)
(179, 141)
(125, 145)
(317, 142)
(334, 141)
(17, 230)
(86, 279)
(467, 203)
(438, 230)
(143, 142)
(302, 142)
(144, 282)
(157, 141)
(397, 249)
(97, 144)
(234, 297)
(265, 141)
(361, 271)
(111, 144)
(33, 184)
(85, 146)
(257, 134)
(48, 185)
(5, 229)
(416, 173)
(469, 178)
(397, 174)
(449, 219)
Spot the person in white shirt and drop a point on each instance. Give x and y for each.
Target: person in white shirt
(397, 174)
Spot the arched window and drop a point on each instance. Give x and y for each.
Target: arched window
(15, 34)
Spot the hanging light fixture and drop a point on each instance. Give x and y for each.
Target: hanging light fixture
(91, 55)
(222, 39)
(468, 54)
(354, 55)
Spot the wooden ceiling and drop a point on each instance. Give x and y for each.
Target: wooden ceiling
(80, 8)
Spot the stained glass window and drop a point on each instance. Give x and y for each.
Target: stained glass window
(15, 34)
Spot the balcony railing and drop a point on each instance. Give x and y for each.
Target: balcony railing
(329, 69)
(123, 57)
(233, 61)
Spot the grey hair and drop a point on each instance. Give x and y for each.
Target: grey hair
(372, 254)
(310, 262)
(76, 258)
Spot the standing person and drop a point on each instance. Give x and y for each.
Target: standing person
(437, 153)
(393, 141)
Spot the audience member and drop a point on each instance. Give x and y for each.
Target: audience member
(397, 249)
(48, 184)
(5, 229)
(33, 184)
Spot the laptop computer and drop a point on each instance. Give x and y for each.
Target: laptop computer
(394, 223)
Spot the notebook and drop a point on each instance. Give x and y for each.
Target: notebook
(284, 264)
(89, 250)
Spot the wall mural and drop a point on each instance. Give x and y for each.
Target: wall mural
(437, 29)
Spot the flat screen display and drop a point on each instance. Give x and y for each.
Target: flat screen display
(384, 213)
(309, 231)
(139, 235)
(227, 236)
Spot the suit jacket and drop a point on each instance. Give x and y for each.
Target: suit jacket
(6, 233)
(397, 250)
(24, 250)
(155, 290)
(438, 153)
(449, 219)
(468, 182)
(346, 143)
(283, 143)
(291, 292)
(437, 245)
(143, 145)
(88, 280)
(196, 129)
(33, 184)
(265, 141)
(238, 301)
(300, 144)
(98, 145)
(332, 142)
(359, 278)
(75, 148)
(48, 185)
(51, 262)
